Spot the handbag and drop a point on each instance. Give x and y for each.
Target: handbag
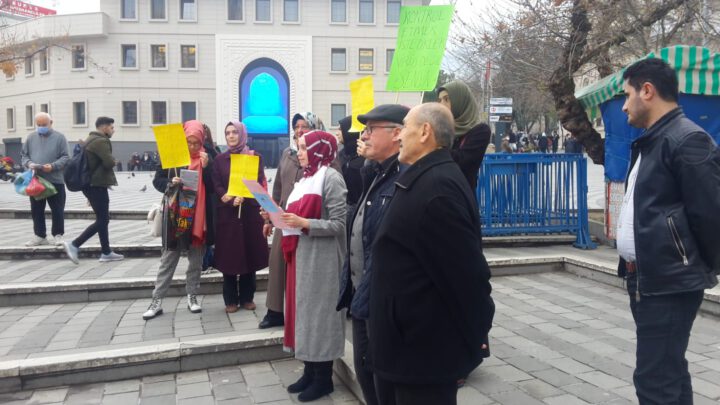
(35, 187)
(22, 180)
(50, 189)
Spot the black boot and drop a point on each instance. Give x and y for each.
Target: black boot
(304, 381)
(322, 383)
(272, 319)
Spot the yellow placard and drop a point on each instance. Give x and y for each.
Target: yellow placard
(363, 100)
(172, 146)
(242, 167)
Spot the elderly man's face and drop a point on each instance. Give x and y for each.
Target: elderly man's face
(43, 121)
(380, 139)
(411, 146)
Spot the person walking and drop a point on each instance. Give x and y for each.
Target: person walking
(191, 240)
(382, 139)
(430, 306)
(46, 151)
(240, 247)
(100, 163)
(667, 236)
(314, 251)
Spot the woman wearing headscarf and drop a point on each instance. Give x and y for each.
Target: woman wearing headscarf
(288, 173)
(194, 244)
(314, 253)
(240, 247)
(471, 136)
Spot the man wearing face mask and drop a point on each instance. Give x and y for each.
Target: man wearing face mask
(46, 151)
(100, 163)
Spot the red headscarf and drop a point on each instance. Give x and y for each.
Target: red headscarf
(321, 150)
(194, 129)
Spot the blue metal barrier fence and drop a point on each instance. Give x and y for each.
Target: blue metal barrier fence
(534, 193)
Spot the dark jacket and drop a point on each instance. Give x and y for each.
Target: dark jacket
(100, 160)
(676, 206)
(468, 152)
(351, 166)
(378, 199)
(430, 308)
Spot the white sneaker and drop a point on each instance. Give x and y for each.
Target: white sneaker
(59, 240)
(37, 241)
(72, 252)
(193, 305)
(154, 309)
(111, 257)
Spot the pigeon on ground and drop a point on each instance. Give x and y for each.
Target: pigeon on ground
(143, 188)
(133, 174)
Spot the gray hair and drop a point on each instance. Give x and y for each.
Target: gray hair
(441, 121)
(43, 114)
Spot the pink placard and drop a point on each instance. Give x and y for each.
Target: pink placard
(267, 203)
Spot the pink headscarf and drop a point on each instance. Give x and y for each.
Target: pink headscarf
(241, 147)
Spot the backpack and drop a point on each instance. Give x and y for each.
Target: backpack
(76, 172)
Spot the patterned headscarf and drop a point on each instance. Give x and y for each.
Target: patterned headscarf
(321, 150)
(241, 147)
(463, 106)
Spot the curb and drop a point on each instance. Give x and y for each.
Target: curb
(75, 214)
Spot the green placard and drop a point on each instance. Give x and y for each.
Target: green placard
(420, 47)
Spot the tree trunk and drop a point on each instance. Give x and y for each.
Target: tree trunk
(571, 113)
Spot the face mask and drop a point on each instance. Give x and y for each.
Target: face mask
(43, 130)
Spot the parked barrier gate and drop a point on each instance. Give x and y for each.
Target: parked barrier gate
(531, 193)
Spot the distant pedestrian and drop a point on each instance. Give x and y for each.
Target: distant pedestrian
(430, 307)
(192, 239)
(100, 163)
(46, 151)
(555, 142)
(667, 234)
(543, 143)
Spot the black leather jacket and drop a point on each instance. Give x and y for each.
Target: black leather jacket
(676, 207)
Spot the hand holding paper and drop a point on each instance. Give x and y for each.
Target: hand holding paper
(266, 202)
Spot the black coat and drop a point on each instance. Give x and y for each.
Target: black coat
(468, 152)
(430, 307)
(676, 206)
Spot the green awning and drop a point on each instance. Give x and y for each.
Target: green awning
(698, 71)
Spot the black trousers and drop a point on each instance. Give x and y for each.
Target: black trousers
(57, 207)
(238, 290)
(663, 330)
(360, 354)
(391, 393)
(100, 203)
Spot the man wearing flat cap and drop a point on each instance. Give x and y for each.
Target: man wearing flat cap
(381, 138)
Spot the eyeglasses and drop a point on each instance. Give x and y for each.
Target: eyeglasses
(370, 128)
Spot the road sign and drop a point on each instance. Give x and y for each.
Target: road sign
(494, 118)
(500, 110)
(501, 101)
(501, 118)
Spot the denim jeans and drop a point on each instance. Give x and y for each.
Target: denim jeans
(100, 203)
(663, 330)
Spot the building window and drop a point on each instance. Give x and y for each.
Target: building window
(158, 10)
(188, 110)
(338, 60)
(263, 10)
(291, 11)
(338, 11)
(45, 107)
(158, 112)
(79, 113)
(158, 56)
(188, 58)
(389, 53)
(235, 10)
(188, 10)
(337, 112)
(366, 60)
(128, 9)
(78, 57)
(29, 66)
(29, 116)
(44, 61)
(393, 11)
(10, 119)
(129, 56)
(366, 13)
(130, 113)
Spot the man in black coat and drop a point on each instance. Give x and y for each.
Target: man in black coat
(430, 307)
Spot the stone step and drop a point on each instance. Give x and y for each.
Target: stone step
(76, 214)
(50, 345)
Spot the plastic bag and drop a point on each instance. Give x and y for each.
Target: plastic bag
(21, 181)
(50, 189)
(35, 187)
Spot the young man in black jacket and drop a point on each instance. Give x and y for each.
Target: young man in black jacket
(667, 231)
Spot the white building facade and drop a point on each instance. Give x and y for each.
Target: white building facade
(152, 62)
